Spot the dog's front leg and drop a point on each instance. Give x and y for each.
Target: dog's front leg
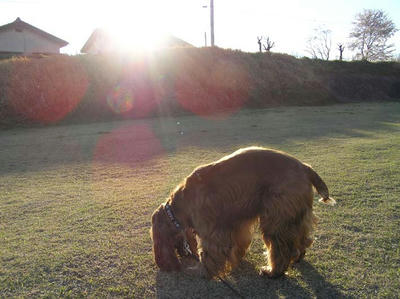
(214, 260)
(208, 266)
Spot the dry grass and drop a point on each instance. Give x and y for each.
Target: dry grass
(76, 201)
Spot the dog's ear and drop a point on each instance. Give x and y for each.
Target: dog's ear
(163, 243)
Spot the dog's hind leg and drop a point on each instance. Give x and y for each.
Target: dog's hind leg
(279, 234)
(304, 239)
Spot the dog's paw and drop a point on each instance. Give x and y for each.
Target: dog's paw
(188, 262)
(195, 270)
(268, 272)
(297, 256)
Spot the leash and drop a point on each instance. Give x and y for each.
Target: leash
(236, 292)
(188, 251)
(226, 283)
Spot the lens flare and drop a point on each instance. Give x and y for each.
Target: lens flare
(138, 93)
(120, 100)
(131, 145)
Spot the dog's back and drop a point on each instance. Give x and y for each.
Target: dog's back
(251, 173)
(255, 164)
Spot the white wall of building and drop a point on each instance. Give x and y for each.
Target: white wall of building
(26, 42)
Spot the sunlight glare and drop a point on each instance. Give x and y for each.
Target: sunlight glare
(135, 27)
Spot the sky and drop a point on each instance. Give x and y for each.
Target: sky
(289, 23)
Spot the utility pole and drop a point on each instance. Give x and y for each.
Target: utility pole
(212, 22)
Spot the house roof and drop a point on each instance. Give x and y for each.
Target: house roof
(95, 35)
(19, 25)
(167, 41)
(173, 41)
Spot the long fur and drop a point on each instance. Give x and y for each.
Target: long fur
(222, 201)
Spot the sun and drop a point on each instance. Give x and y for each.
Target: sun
(136, 36)
(135, 26)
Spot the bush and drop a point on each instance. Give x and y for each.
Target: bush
(201, 81)
(43, 90)
(211, 82)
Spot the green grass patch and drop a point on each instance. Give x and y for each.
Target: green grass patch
(76, 201)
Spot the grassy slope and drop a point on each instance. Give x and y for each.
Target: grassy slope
(75, 202)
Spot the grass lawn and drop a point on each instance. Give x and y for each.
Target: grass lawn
(76, 201)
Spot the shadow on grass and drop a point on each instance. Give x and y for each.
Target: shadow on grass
(246, 280)
(321, 288)
(134, 142)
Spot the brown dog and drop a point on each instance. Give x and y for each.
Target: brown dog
(220, 203)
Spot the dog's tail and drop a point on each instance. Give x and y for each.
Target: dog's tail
(320, 185)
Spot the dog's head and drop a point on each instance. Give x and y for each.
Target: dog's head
(169, 242)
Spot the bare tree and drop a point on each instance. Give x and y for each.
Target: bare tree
(259, 41)
(341, 49)
(371, 32)
(268, 45)
(319, 44)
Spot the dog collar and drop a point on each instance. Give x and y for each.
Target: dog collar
(171, 216)
(186, 247)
